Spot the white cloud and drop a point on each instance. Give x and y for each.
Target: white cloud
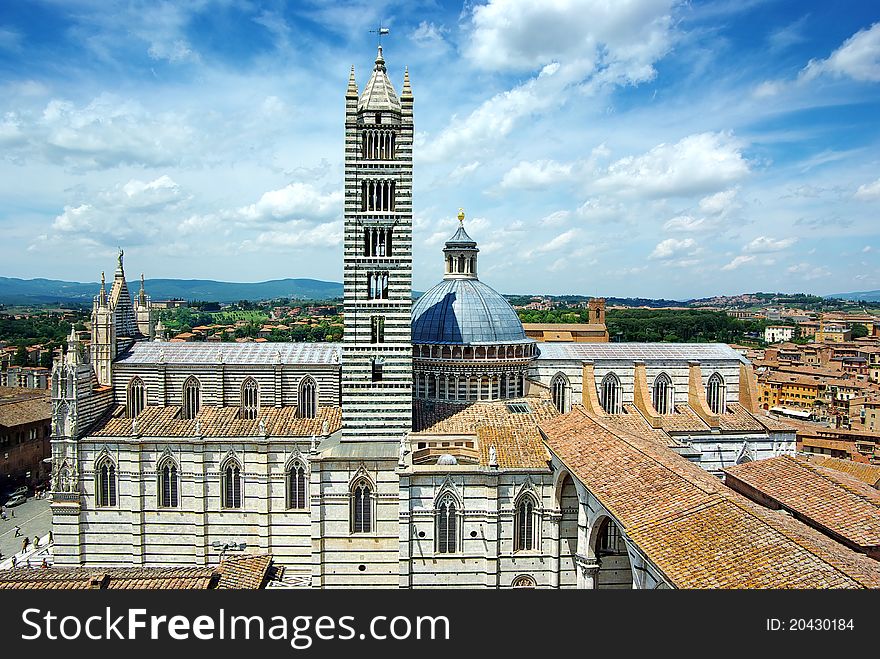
(294, 201)
(537, 174)
(869, 191)
(858, 58)
(672, 248)
(719, 203)
(738, 262)
(764, 245)
(297, 235)
(555, 219)
(624, 38)
(808, 271)
(686, 224)
(695, 164)
(463, 171)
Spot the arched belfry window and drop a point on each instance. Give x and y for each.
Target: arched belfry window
(362, 507)
(169, 487)
(231, 484)
(296, 487)
(192, 398)
(715, 394)
(250, 399)
(105, 483)
(136, 397)
(610, 393)
(524, 524)
(447, 525)
(560, 392)
(307, 399)
(662, 395)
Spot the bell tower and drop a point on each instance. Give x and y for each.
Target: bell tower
(377, 350)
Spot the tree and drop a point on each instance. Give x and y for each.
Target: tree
(858, 330)
(21, 357)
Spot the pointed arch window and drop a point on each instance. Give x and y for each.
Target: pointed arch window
(250, 399)
(307, 399)
(524, 525)
(610, 394)
(662, 394)
(192, 398)
(105, 483)
(447, 525)
(362, 507)
(231, 485)
(136, 397)
(560, 391)
(715, 393)
(296, 487)
(169, 485)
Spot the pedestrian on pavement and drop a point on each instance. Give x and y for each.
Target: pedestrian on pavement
(13, 561)
(36, 541)
(12, 510)
(44, 565)
(25, 543)
(17, 531)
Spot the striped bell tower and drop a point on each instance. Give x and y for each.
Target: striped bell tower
(377, 348)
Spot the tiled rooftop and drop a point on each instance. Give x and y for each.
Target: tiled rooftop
(514, 434)
(639, 351)
(832, 499)
(867, 473)
(19, 406)
(158, 421)
(231, 353)
(698, 532)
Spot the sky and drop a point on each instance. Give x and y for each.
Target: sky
(650, 148)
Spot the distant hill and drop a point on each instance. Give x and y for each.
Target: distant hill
(44, 291)
(866, 296)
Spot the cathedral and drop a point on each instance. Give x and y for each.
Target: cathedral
(436, 446)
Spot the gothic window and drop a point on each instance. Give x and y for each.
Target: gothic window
(250, 399)
(377, 285)
(231, 485)
(192, 398)
(610, 394)
(361, 507)
(62, 382)
(105, 483)
(308, 398)
(447, 525)
(168, 485)
(377, 195)
(136, 397)
(296, 487)
(715, 393)
(377, 329)
(524, 525)
(560, 391)
(662, 396)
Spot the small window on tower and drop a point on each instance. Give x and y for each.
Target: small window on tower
(378, 117)
(378, 363)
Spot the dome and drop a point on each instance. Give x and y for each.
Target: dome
(447, 459)
(465, 311)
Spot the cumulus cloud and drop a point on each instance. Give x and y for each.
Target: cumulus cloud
(294, 201)
(537, 174)
(672, 248)
(738, 262)
(808, 271)
(764, 245)
(686, 224)
(296, 235)
(868, 191)
(626, 37)
(858, 58)
(696, 164)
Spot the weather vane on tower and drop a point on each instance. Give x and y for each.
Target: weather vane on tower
(379, 31)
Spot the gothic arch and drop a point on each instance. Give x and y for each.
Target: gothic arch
(663, 394)
(191, 399)
(250, 399)
(610, 394)
(560, 392)
(716, 393)
(307, 398)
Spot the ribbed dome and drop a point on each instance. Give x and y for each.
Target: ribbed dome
(465, 311)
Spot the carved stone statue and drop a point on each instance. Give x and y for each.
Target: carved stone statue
(198, 427)
(401, 454)
(325, 428)
(262, 426)
(314, 443)
(493, 457)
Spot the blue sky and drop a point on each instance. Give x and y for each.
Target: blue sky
(643, 148)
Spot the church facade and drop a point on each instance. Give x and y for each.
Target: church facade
(410, 454)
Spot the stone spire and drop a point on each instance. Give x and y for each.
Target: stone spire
(102, 296)
(352, 90)
(142, 295)
(379, 94)
(406, 91)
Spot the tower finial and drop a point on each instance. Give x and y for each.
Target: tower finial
(461, 216)
(102, 296)
(119, 258)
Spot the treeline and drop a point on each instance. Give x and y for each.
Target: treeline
(664, 325)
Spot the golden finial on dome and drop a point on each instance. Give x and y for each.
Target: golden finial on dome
(461, 215)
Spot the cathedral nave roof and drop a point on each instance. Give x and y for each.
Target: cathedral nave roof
(156, 352)
(638, 351)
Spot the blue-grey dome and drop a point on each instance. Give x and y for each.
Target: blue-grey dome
(465, 311)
